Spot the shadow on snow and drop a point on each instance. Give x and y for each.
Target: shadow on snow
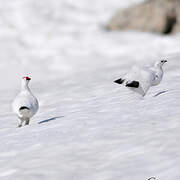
(50, 119)
(162, 92)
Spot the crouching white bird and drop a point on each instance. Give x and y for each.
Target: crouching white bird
(140, 79)
(25, 104)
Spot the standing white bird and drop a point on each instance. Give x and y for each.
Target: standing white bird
(140, 79)
(25, 104)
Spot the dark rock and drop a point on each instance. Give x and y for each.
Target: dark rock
(160, 16)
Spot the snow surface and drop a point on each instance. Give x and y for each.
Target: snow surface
(87, 128)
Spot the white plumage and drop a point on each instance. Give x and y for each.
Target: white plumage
(140, 79)
(25, 104)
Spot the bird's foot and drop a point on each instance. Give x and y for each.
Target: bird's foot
(27, 122)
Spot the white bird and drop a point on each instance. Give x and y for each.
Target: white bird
(140, 79)
(25, 104)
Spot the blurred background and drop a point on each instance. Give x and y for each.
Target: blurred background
(57, 39)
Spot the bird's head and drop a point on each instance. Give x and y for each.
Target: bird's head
(26, 80)
(160, 63)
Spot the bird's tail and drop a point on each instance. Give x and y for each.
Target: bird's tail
(119, 81)
(133, 84)
(24, 111)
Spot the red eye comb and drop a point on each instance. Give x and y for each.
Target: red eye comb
(27, 78)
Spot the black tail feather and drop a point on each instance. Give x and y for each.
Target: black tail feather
(119, 81)
(23, 107)
(134, 84)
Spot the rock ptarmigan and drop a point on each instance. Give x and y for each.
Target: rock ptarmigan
(140, 79)
(25, 104)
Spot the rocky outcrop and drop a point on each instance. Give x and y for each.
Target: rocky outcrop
(160, 16)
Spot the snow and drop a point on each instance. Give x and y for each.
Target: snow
(87, 126)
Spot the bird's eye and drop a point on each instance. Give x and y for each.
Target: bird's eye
(27, 78)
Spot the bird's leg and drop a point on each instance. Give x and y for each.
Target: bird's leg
(27, 121)
(20, 121)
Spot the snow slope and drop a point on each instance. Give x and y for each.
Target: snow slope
(87, 128)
